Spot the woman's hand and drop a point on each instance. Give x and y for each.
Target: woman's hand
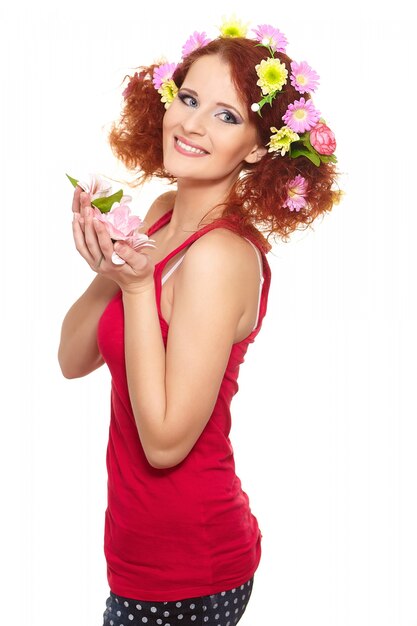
(95, 245)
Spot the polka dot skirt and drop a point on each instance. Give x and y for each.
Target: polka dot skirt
(221, 609)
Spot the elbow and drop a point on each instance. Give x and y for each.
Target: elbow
(164, 459)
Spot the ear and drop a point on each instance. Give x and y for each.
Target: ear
(255, 154)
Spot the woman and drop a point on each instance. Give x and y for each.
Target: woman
(173, 323)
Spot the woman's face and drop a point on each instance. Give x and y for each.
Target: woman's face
(207, 135)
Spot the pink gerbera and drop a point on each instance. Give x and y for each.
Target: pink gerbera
(163, 73)
(301, 115)
(303, 77)
(270, 36)
(297, 190)
(197, 40)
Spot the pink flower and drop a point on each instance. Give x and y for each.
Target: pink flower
(322, 139)
(301, 115)
(297, 190)
(197, 40)
(96, 186)
(303, 77)
(163, 73)
(122, 226)
(270, 36)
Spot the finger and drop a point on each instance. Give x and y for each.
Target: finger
(137, 261)
(90, 234)
(79, 240)
(103, 238)
(85, 202)
(76, 200)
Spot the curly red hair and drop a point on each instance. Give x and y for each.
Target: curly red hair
(256, 200)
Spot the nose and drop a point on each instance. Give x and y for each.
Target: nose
(194, 122)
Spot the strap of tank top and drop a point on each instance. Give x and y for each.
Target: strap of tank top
(172, 269)
(258, 256)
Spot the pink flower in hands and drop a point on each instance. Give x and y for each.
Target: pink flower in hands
(122, 226)
(96, 186)
(322, 139)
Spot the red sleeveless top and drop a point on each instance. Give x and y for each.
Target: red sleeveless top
(188, 530)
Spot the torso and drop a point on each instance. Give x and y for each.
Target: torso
(163, 246)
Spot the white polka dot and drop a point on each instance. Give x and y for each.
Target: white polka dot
(118, 613)
(223, 593)
(242, 586)
(180, 616)
(153, 609)
(159, 621)
(167, 624)
(216, 616)
(131, 617)
(248, 584)
(204, 608)
(243, 597)
(235, 601)
(206, 619)
(111, 622)
(144, 619)
(236, 610)
(215, 606)
(233, 590)
(139, 607)
(192, 606)
(117, 600)
(126, 603)
(193, 618)
(227, 613)
(178, 604)
(228, 624)
(226, 603)
(166, 613)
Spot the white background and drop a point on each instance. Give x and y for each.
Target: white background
(325, 427)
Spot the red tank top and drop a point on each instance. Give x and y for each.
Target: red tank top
(185, 531)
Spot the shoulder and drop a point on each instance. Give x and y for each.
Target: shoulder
(225, 249)
(161, 205)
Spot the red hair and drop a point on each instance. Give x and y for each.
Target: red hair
(256, 200)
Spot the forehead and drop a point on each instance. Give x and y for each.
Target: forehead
(211, 75)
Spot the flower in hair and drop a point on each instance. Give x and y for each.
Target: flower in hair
(272, 76)
(164, 83)
(303, 77)
(281, 139)
(197, 40)
(322, 139)
(233, 28)
(301, 115)
(271, 37)
(297, 190)
(163, 74)
(168, 92)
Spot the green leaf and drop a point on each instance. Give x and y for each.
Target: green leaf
(331, 158)
(105, 204)
(296, 152)
(73, 181)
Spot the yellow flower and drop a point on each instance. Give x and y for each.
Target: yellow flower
(272, 75)
(281, 139)
(168, 92)
(233, 28)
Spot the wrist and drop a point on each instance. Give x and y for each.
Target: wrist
(138, 290)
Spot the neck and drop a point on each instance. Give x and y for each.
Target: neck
(196, 200)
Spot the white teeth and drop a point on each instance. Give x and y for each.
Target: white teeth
(188, 148)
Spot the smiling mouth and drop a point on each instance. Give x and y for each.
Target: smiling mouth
(190, 149)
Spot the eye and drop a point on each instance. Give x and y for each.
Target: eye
(188, 100)
(228, 117)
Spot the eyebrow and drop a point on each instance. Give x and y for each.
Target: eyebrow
(220, 104)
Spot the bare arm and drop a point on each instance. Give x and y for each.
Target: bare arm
(78, 352)
(173, 393)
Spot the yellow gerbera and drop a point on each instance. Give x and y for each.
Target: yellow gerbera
(281, 139)
(168, 92)
(233, 28)
(272, 75)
